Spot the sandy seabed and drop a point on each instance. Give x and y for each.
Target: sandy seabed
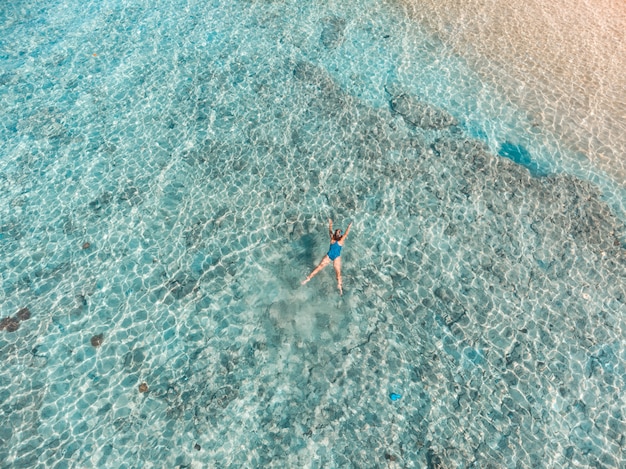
(571, 54)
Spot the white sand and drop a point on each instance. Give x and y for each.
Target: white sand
(564, 61)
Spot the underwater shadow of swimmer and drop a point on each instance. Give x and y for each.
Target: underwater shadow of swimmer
(308, 249)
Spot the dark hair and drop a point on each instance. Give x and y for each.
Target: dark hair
(337, 235)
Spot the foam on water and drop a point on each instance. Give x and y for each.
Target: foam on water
(167, 171)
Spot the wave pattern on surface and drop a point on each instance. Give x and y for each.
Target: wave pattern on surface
(163, 198)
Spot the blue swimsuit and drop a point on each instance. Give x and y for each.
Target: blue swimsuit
(335, 251)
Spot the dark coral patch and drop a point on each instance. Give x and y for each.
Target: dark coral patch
(143, 387)
(3, 323)
(333, 32)
(421, 114)
(97, 340)
(12, 325)
(23, 314)
(86, 245)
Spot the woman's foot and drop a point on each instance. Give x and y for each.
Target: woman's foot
(305, 281)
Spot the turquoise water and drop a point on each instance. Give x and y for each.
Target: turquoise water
(167, 171)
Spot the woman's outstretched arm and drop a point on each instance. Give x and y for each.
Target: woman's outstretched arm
(347, 231)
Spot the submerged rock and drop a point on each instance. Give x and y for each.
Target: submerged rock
(421, 114)
(433, 460)
(10, 324)
(181, 285)
(3, 323)
(101, 202)
(327, 97)
(312, 74)
(332, 34)
(97, 340)
(23, 314)
(13, 325)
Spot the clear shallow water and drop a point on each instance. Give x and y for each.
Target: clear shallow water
(561, 61)
(199, 149)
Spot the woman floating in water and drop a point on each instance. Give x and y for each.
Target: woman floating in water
(334, 254)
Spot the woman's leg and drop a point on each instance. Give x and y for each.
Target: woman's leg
(321, 265)
(337, 266)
